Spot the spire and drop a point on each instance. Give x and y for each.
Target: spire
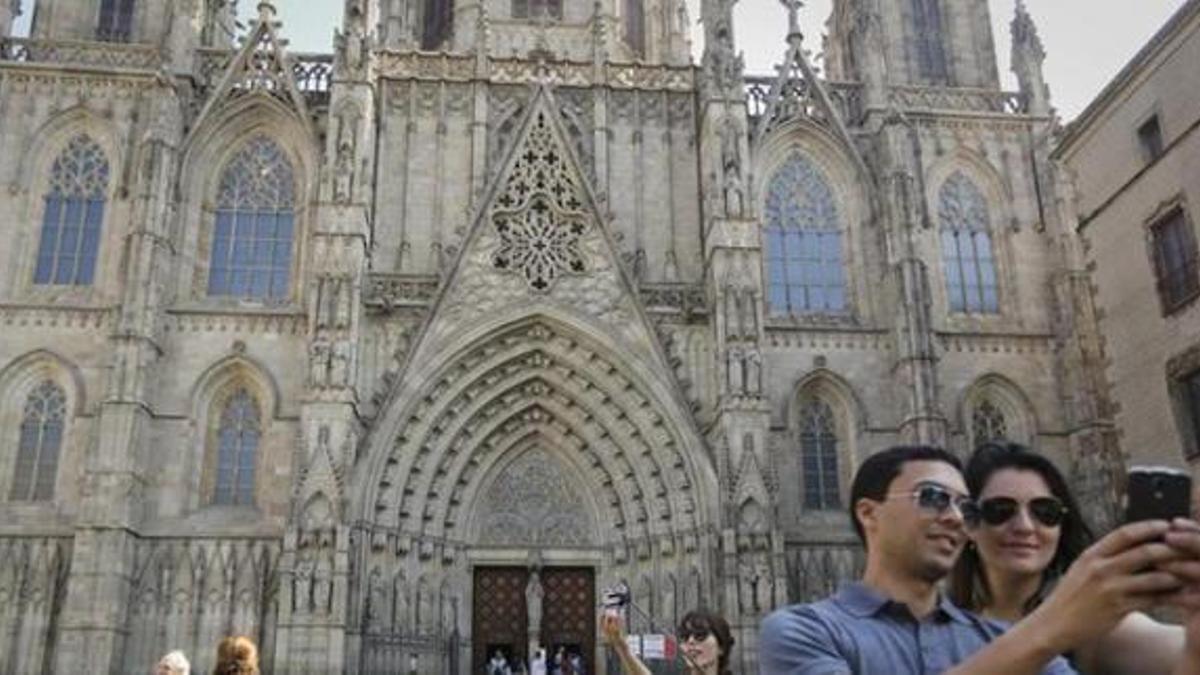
(1028, 55)
(1025, 35)
(793, 8)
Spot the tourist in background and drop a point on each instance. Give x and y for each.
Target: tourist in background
(705, 642)
(236, 656)
(174, 663)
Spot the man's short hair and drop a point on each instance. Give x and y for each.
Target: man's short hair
(875, 475)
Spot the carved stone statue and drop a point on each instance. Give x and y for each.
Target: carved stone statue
(343, 179)
(318, 362)
(763, 591)
(339, 364)
(753, 370)
(747, 586)
(533, 603)
(322, 586)
(736, 379)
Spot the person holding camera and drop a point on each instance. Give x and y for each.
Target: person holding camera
(1027, 532)
(705, 641)
(909, 505)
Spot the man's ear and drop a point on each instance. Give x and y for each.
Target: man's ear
(865, 509)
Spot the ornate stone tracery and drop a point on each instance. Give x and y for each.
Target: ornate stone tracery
(534, 503)
(540, 214)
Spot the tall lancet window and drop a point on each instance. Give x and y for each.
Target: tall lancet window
(116, 21)
(967, 247)
(537, 9)
(818, 454)
(804, 242)
(635, 26)
(40, 443)
(238, 433)
(74, 212)
(255, 222)
(438, 23)
(927, 41)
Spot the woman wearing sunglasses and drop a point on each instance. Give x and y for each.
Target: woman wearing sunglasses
(705, 641)
(1026, 529)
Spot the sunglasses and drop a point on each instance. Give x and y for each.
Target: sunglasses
(697, 634)
(1046, 511)
(937, 499)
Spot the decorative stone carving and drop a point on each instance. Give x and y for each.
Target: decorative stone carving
(534, 503)
(540, 215)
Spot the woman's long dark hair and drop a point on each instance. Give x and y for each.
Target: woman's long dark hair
(704, 621)
(968, 583)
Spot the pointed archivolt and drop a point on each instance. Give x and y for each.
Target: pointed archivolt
(261, 66)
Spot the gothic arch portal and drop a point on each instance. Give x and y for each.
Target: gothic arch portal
(622, 483)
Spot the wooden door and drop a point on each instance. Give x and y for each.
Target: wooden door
(498, 615)
(569, 613)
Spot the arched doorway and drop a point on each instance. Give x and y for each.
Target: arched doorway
(530, 444)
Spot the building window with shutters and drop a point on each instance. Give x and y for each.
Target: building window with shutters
(1173, 249)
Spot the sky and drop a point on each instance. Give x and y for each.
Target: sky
(1087, 41)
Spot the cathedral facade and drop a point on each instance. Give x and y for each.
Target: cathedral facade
(399, 356)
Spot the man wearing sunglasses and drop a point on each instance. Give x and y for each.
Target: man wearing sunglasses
(909, 505)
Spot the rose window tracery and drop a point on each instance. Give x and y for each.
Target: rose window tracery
(539, 215)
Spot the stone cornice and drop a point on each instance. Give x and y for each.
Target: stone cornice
(42, 316)
(999, 343)
(286, 321)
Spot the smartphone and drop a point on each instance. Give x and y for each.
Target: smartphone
(1157, 493)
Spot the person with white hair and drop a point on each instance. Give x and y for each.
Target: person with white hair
(174, 663)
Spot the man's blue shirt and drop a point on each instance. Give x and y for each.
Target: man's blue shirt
(860, 631)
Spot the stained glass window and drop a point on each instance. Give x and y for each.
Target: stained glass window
(818, 453)
(439, 21)
(40, 444)
(635, 26)
(804, 242)
(74, 213)
(254, 228)
(967, 248)
(237, 449)
(928, 34)
(116, 20)
(988, 423)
